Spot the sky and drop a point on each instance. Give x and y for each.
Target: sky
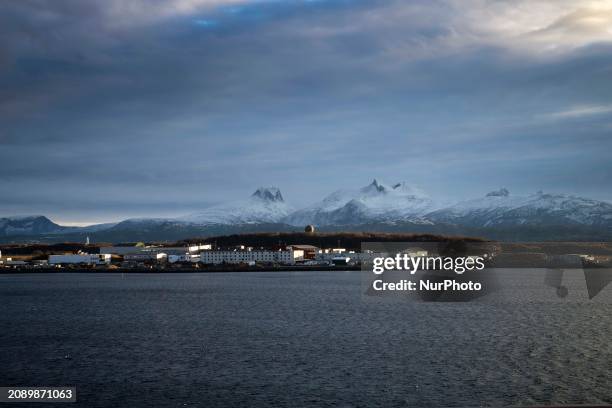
(152, 108)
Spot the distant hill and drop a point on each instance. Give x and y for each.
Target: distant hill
(29, 225)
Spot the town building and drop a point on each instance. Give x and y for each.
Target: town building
(181, 250)
(306, 252)
(340, 260)
(329, 255)
(10, 262)
(286, 257)
(132, 250)
(80, 259)
(145, 256)
(183, 258)
(199, 247)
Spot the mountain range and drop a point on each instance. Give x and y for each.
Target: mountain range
(375, 207)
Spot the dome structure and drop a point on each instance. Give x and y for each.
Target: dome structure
(309, 229)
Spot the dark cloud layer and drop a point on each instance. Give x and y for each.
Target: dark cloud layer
(160, 107)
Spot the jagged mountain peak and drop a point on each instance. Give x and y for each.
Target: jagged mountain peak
(375, 187)
(402, 188)
(375, 202)
(268, 194)
(265, 205)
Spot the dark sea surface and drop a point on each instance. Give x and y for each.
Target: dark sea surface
(293, 339)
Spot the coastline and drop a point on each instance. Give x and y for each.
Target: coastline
(343, 268)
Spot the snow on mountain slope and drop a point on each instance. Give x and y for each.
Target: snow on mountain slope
(28, 225)
(500, 208)
(375, 202)
(266, 205)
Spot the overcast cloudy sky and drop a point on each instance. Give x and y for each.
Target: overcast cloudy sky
(111, 108)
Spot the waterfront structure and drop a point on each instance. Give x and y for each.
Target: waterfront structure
(145, 256)
(328, 255)
(133, 250)
(182, 250)
(415, 252)
(341, 260)
(10, 262)
(305, 251)
(286, 257)
(199, 247)
(80, 259)
(183, 258)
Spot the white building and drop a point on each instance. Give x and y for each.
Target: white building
(167, 250)
(183, 258)
(145, 256)
(200, 247)
(415, 252)
(356, 257)
(132, 250)
(86, 259)
(287, 257)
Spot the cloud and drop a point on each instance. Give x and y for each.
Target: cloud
(577, 28)
(123, 101)
(538, 28)
(579, 112)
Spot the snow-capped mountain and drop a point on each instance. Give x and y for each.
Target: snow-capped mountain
(28, 225)
(375, 202)
(379, 203)
(500, 208)
(375, 207)
(265, 205)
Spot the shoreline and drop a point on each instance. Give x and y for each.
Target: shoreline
(25, 271)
